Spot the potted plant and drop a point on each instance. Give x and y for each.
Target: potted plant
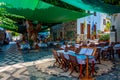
(104, 38)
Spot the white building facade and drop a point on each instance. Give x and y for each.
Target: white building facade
(90, 25)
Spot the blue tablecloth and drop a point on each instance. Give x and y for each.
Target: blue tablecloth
(80, 57)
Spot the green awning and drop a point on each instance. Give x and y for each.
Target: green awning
(94, 5)
(38, 10)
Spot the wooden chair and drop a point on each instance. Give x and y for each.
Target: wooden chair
(105, 53)
(64, 62)
(57, 47)
(77, 50)
(112, 50)
(72, 48)
(118, 52)
(57, 58)
(97, 55)
(75, 66)
(92, 45)
(66, 49)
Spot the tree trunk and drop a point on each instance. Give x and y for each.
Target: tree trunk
(32, 33)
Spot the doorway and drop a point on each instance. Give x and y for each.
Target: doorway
(88, 31)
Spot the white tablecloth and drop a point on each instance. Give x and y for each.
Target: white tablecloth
(77, 45)
(42, 44)
(64, 46)
(25, 46)
(116, 47)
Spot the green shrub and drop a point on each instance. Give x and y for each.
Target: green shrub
(99, 31)
(104, 37)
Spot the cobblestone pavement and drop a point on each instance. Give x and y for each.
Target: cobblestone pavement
(15, 65)
(114, 74)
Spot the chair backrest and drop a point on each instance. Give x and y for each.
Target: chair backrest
(62, 56)
(77, 50)
(55, 54)
(92, 45)
(107, 43)
(101, 44)
(72, 48)
(58, 46)
(73, 59)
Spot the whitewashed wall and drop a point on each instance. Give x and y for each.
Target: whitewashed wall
(115, 20)
(98, 20)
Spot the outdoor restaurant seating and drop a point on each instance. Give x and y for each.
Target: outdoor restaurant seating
(105, 53)
(42, 45)
(108, 50)
(102, 50)
(111, 50)
(70, 60)
(24, 45)
(97, 55)
(72, 48)
(77, 50)
(116, 49)
(64, 62)
(57, 58)
(73, 59)
(74, 65)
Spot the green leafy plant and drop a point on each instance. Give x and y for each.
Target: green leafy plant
(99, 31)
(107, 27)
(15, 33)
(7, 19)
(104, 37)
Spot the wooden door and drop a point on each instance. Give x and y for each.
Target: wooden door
(82, 28)
(88, 31)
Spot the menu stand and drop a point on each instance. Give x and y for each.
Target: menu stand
(87, 76)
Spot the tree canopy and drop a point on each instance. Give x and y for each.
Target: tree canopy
(7, 20)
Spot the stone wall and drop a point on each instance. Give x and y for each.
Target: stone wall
(67, 31)
(70, 30)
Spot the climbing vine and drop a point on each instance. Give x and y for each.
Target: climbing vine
(7, 19)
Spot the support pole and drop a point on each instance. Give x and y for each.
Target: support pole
(87, 77)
